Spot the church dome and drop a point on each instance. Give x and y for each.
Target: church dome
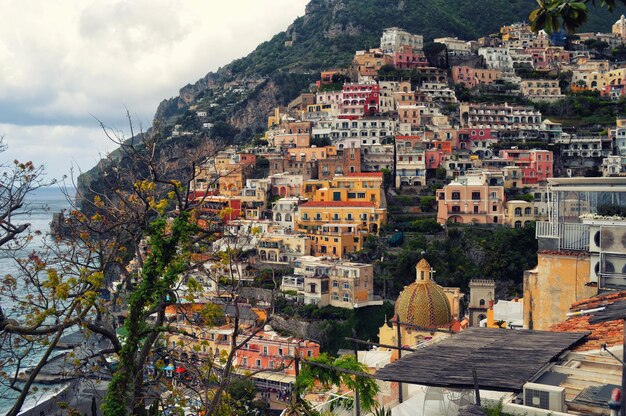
(423, 302)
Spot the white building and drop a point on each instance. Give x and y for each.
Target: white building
(393, 38)
(497, 58)
(284, 212)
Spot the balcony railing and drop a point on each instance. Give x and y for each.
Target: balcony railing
(572, 236)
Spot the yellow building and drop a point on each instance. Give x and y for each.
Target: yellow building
(230, 182)
(342, 212)
(354, 187)
(283, 248)
(424, 306)
(559, 280)
(521, 213)
(274, 119)
(307, 154)
(344, 224)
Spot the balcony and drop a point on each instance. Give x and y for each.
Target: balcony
(373, 300)
(569, 236)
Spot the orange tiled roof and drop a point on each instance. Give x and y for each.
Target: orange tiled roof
(565, 253)
(372, 174)
(334, 204)
(610, 333)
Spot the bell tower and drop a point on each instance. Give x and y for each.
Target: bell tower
(481, 297)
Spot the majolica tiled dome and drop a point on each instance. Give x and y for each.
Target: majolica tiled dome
(423, 302)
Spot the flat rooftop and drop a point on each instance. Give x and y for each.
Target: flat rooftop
(504, 360)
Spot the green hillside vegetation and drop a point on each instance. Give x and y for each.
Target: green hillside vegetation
(584, 109)
(329, 35)
(460, 254)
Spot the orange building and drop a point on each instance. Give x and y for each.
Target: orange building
(367, 63)
(230, 182)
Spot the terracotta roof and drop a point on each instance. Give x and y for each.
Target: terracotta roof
(610, 333)
(357, 174)
(572, 253)
(337, 204)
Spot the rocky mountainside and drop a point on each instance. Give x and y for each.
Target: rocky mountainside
(239, 96)
(244, 92)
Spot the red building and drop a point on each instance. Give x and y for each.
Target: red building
(360, 100)
(474, 139)
(536, 164)
(217, 209)
(247, 159)
(408, 57)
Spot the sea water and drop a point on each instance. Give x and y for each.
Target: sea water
(41, 204)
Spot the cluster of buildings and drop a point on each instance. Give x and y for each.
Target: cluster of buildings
(311, 197)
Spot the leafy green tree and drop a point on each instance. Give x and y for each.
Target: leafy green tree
(551, 15)
(346, 370)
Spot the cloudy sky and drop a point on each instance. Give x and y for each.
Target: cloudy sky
(64, 63)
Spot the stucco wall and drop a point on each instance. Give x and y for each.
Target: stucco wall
(559, 280)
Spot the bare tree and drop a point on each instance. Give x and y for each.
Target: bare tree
(134, 235)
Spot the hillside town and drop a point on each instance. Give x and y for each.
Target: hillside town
(392, 130)
(413, 141)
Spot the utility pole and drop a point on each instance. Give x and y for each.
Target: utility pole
(357, 400)
(399, 335)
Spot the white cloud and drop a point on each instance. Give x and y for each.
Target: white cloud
(57, 147)
(65, 60)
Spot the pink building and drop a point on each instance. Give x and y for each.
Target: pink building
(546, 59)
(435, 158)
(408, 57)
(270, 351)
(536, 164)
(472, 77)
(476, 198)
(474, 139)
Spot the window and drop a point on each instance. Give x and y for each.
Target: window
(258, 363)
(361, 195)
(265, 350)
(280, 352)
(244, 361)
(456, 209)
(456, 196)
(518, 212)
(346, 285)
(494, 208)
(309, 353)
(349, 217)
(335, 283)
(346, 297)
(476, 196)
